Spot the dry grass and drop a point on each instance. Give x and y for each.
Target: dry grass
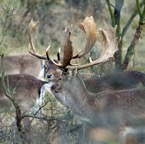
(55, 126)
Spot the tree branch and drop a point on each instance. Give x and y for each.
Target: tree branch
(130, 20)
(130, 50)
(111, 13)
(10, 96)
(117, 11)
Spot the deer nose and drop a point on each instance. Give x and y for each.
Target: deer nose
(49, 75)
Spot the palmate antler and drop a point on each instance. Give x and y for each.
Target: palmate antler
(67, 52)
(32, 51)
(89, 27)
(110, 45)
(31, 47)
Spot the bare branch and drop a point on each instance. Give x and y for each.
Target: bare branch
(131, 48)
(10, 96)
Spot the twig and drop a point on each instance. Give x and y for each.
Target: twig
(10, 97)
(111, 13)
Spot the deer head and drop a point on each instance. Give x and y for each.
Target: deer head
(50, 70)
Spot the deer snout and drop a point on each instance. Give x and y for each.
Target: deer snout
(49, 75)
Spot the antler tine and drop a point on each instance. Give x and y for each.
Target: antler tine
(32, 50)
(49, 59)
(110, 46)
(89, 27)
(47, 53)
(58, 54)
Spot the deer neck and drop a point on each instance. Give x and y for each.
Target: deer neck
(77, 97)
(76, 89)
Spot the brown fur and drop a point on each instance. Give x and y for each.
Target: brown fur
(115, 81)
(21, 64)
(25, 88)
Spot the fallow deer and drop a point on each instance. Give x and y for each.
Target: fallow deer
(23, 64)
(124, 80)
(23, 94)
(50, 70)
(115, 110)
(26, 90)
(115, 81)
(121, 80)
